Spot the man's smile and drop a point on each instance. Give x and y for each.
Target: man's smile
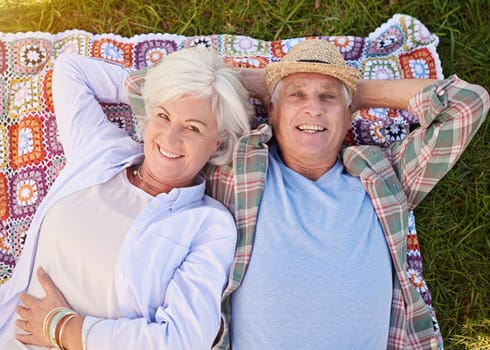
(311, 129)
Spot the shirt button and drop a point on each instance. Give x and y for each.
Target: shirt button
(173, 194)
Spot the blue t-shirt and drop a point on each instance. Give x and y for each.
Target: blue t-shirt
(320, 276)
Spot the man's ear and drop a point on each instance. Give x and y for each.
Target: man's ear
(348, 118)
(271, 112)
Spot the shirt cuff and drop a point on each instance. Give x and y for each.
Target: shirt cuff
(91, 329)
(431, 101)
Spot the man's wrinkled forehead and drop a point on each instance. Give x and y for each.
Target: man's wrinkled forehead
(302, 80)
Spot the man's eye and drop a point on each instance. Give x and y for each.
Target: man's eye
(297, 94)
(326, 97)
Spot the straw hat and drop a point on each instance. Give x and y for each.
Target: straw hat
(312, 56)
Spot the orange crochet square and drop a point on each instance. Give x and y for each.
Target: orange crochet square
(4, 197)
(3, 148)
(418, 64)
(112, 50)
(47, 93)
(26, 142)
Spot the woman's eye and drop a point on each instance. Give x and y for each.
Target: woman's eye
(162, 115)
(193, 128)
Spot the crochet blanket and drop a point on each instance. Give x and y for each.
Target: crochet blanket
(31, 155)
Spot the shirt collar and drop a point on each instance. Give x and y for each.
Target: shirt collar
(184, 196)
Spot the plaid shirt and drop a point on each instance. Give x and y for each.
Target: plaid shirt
(396, 178)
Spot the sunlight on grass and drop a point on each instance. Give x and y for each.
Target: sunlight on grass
(475, 335)
(26, 2)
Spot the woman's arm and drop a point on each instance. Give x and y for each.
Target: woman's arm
(188, 314)
(79, 84)
(185, 313)
(34, 310)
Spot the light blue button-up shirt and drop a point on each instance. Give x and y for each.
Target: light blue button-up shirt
(173, 263)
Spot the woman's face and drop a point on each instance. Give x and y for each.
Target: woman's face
(179, 139)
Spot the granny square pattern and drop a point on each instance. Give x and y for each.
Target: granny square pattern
(31, 156)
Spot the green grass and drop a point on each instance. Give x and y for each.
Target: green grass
(454, 221)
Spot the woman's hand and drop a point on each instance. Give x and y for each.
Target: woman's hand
(34, 310)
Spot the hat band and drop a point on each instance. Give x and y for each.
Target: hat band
(313, 61)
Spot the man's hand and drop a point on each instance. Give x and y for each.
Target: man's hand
(254, 81)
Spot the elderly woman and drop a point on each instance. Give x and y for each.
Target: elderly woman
(126, 251)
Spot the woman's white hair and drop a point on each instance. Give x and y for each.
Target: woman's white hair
(201, 73)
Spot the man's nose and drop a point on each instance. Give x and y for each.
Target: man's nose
(314, 106)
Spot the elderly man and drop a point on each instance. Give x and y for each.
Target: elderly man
(321, 255)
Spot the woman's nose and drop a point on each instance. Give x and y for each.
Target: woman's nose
(173, 134)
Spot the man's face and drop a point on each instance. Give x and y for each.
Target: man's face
(310, 119)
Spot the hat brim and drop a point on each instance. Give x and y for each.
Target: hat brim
(277, 70)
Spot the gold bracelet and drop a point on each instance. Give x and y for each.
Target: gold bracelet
(54, 323)
(46, 321)
(62, 327)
